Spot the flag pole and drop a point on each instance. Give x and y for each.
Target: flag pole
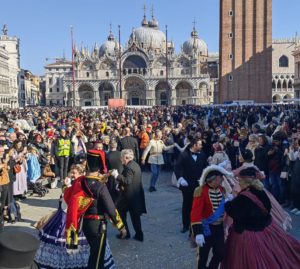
(73, 70)
(120, 66)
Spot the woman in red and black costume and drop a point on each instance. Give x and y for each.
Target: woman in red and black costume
(255, 240)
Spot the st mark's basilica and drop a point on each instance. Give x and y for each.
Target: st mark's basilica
(190, 79)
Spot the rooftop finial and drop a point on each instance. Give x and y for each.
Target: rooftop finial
(145, 9)
(152, 11)
(4, 29)
(194, 32)
(194, 24)
(111, 35)
(144, 21)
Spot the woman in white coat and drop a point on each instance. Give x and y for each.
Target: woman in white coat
(156, 147)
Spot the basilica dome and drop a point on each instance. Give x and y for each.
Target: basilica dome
(195, 43)
(148, 35)
(109, 47)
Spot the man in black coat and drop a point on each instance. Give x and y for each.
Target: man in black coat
(113, 161)
(132, 197)
(188, 171)
(129, 142)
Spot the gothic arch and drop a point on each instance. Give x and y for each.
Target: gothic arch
(276, 98)
(162, 93)
(287, 97)
(279, 85)
(135, 91)
(86, 95)
(283, 61)
(106, 91)
(284, 85)
(183, 92)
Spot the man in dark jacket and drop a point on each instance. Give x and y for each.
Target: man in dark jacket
(129, 142)
(188, 171)
(132, 197)
(276, 160)
(113, 161)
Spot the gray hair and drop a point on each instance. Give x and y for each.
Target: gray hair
(127, 154)
(113, 144)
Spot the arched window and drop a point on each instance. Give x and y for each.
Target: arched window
(273, 84)
(283, 61)
(278, 85)
(284, 85)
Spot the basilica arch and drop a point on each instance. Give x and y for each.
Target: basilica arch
(183, 93)
(162, 93)
(276, 98)
(106, 91)
(86, 95)
(134, 64)
(286, 97)
(135, 91)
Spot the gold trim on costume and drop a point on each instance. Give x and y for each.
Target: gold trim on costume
(69, 239)
(102, 178)
(83, 202)
(119, 223)
(100, 250)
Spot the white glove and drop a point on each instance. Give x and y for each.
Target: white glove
(115, 173)
(200, 241)
(229, 197)
(68, 181)
(182, 182)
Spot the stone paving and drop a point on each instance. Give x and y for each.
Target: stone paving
(164, 247)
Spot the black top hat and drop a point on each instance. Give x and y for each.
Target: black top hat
(94, 161)
(17, 250)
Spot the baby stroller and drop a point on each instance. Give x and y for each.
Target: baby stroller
(37, 188)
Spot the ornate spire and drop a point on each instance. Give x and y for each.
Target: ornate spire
(111, 36)
(144, 21)
(194, 32)
(153, 23)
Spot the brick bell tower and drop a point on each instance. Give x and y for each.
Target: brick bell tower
(245, 51)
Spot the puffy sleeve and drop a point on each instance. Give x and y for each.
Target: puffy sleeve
(197, 211)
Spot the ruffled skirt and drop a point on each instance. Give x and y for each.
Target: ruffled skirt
(270, 248)
(52, 252)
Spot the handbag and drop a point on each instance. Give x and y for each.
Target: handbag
(17, 168)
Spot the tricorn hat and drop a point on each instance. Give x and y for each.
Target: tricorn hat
(213, 170)
(17, 250)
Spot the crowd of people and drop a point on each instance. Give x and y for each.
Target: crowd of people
(246, 157)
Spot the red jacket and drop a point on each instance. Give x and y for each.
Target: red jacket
(202, 208)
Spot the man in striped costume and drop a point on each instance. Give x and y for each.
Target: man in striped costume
(207, 216)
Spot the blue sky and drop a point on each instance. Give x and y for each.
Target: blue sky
(43, 26)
